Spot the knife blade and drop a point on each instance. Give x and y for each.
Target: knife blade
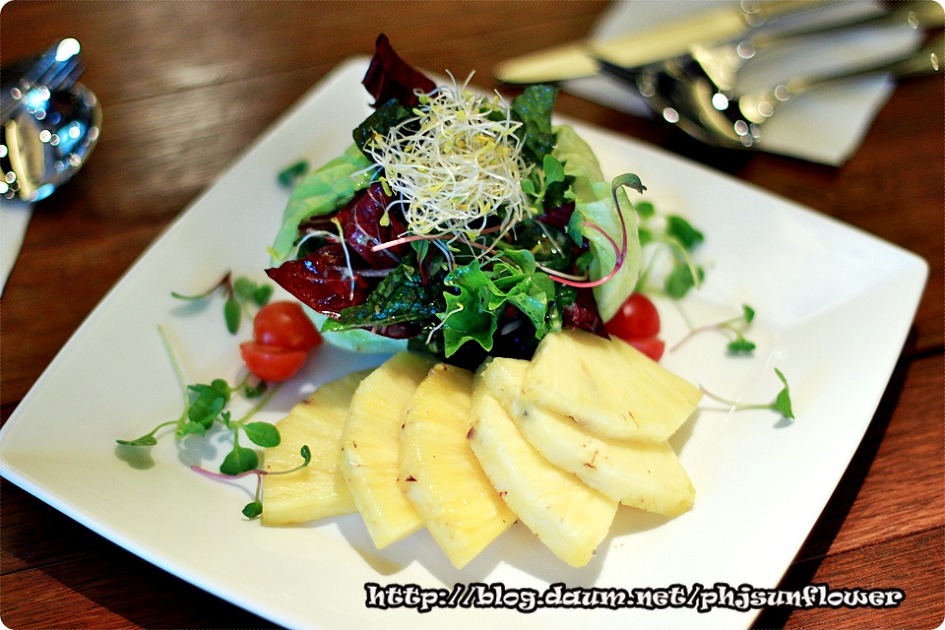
(578, 59)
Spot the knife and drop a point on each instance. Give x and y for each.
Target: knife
(576, 60)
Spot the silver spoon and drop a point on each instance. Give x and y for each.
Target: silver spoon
(57, 68)
(699, 108)
(46, 141)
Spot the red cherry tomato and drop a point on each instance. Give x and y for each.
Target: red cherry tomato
(652, 347)
(637, 322)
(271, 363)
(636, 318)
(285, 325)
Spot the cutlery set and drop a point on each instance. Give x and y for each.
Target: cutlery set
(49, 123)
(686, 72)
(690, 79)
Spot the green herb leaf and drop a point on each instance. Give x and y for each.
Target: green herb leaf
(306, 454)
(144, 440)
(748, 313)
(680, 229)
(262, 434)
(645, 209)
(239, 460)
(290, 175)
(252, 509)
(192, 428)
(262, 294)
(680, 280)
(736, 327)
(255, 391)
(782, 402)
(741, 346)
(232, 314)
(208, 402)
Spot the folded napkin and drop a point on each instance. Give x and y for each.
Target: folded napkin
(824, 126)
(14, 218)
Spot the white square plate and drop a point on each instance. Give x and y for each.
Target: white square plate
(834, 305)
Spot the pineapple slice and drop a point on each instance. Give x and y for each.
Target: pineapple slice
(569, 517)
(318, 490)
(644, 475)
(608, 387)
(370, 448)
(439, 472)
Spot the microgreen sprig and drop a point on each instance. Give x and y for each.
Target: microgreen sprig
(736, 327)
(681, 238)
(242, 296)
(205, 404)
(781, 402)
(255, 507)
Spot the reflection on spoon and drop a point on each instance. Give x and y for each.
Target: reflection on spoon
(46, 141)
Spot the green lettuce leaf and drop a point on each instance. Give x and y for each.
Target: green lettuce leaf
(357, 339)
(594, 204)
(478, 298)
(321, 192)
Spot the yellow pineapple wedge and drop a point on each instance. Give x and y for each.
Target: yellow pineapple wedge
(568, 516)
(644, 475)
(608, 387)
(370, 447)
(317, 490)
(439, 472)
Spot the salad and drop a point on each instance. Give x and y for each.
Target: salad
(457, 223)
(472, 234)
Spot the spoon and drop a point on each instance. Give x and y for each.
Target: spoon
(56, 68)
(696, 105)
(46, 141)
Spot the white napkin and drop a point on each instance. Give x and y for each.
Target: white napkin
(825, 125)
(14, 218)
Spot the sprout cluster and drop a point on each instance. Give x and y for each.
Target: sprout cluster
(455, 164)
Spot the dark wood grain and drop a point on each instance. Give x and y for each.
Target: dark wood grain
(187, 86)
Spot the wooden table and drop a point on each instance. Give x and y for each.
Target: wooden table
(186, 86)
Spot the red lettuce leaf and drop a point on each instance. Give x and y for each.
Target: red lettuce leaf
(362, 220)
(388, 76)
(582, 314)
(322, 280)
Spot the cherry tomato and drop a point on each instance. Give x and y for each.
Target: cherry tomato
(637, 322)
(284, 325)
(272, 363)
(636, 318)
(652, 347)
